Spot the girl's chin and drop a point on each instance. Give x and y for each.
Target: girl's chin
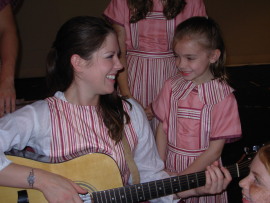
(244, 200)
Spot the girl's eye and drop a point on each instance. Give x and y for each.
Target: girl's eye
(110, 56)
(257, 181)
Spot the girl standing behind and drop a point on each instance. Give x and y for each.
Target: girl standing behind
(145, 30)
(197, 110)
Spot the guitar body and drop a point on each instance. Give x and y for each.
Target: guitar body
(94, 172)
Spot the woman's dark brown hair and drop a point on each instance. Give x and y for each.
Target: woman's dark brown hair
(84, 35)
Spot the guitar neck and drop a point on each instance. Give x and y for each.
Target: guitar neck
(159, 188)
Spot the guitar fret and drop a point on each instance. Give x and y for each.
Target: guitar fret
(140, 192)
(145, 191)
(191, 181)
(112, 195)
(196, 174)
(101, 196)
(171, 183)
(160, 190)
(184, 182)
(149, 191)
(117, 195)
(175, 184)
(152, 188)
(98, 197)
(122, 195)
(201, 178)
(129, 194)
(134, 193)
(108, 196)
(179, 183)
(187, 181)
(156, 189)
(167, 186)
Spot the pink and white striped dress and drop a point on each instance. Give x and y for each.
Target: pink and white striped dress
(150, 57)
(78, 130)
(192, 116)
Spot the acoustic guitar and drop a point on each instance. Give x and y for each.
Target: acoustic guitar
(99, 174)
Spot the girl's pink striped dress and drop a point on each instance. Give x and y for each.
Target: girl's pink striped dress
(192, 115)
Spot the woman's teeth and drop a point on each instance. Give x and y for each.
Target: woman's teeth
(110, 77)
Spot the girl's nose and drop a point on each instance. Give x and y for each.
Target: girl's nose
(244, 182)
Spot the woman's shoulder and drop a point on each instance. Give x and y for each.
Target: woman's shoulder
(133, 105)
(135, 110)
(39, 107)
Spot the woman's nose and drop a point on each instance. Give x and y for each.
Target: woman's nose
(118, 64)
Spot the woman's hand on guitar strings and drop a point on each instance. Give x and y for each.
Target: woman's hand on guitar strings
(57, 188)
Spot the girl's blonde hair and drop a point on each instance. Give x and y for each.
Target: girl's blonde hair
(207, 32)
(264, 155)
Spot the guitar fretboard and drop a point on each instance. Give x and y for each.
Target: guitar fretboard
(159, 188)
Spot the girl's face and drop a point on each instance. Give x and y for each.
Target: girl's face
(256, 186)
(99, 73)
(193, 60)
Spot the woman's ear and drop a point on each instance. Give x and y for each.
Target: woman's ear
(215, 55)
(77, 62)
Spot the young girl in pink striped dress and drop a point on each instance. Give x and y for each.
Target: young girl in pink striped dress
(197, 109)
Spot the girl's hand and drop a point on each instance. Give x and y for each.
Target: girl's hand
(57, 188)
(217, 180)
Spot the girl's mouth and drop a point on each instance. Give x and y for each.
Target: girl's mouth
(185, 73)
(245, 199)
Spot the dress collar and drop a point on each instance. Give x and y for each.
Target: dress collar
(211, 92)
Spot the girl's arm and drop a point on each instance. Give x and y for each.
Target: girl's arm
(122, 78)
(54, 187)
(161, 141)
(212, 154)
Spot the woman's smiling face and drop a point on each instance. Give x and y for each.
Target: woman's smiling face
(99, 74)
(256, 186)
